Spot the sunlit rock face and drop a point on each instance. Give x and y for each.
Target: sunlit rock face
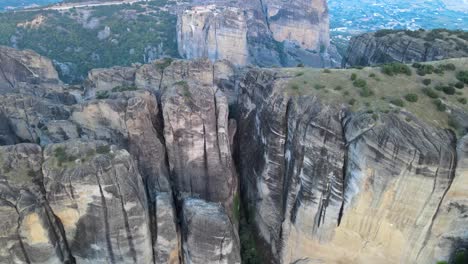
(264, 33)
(143, 168)
(210, 236)
(303, 22)
(325, 183)
(208, 32)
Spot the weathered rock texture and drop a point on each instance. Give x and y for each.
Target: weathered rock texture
(209, 235)
(264, 33)
(304, 22)
(103, 181)
(141, 170)
(329, 186)
(404, 46)
(214, 34)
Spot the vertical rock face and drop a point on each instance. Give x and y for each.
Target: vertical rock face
(197, 133)
(209, 235)
(448, 233)
(24, 67)
(30, 231)
(208, 32)
(98, 195)
(303, 22)
(324, 183)
(263, 32)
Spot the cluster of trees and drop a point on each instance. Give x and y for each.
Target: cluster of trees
(62, 36)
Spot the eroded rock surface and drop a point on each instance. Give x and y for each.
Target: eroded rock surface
(327, 185)
(140, 169)
(400, 46)
(264, 33)
(209, 235)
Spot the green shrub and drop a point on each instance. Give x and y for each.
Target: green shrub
(431, 93)
(411, 97)
(346, 93)
(372, 75)
(338, 88)
(300, 65)
(360, 83)
(352, 101)
(417, 65)
(124, 88)
(397, 102)
(425, 69)
(299, 74)
(463, 76)
(366, 92)
(353, 77)
(102, 95)
(440, 105)
(103, 149)
(319, 86)
(295, 87)
(462, 100)
(439, 71)
(161, 65)
(327, 71)
(384, 32)
(448, 67)
(448, 90)
(395, 68)
(459, 85)
(427, 81)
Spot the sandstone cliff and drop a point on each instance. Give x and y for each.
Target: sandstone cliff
(140, 165)
(265, 33)
(387, 46)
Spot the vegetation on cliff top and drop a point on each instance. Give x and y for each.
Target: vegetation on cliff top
(394, 87)
(78, 40)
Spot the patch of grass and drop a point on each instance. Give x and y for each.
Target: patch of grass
(353, 76)
(61, 155)
(185, 87)
(411, 97)
(372, 75)
(427, 82)
(377, 95)
(462, 100)
(327, 71)
(299, 74)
